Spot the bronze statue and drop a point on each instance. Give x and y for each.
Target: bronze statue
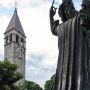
(73, 67)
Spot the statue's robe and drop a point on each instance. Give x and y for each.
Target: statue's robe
(72, 71)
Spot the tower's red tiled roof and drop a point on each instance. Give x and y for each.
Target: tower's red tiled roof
(15, 23)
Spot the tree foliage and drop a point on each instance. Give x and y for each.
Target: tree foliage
(9, 75)
(48, 83)
(30, 85)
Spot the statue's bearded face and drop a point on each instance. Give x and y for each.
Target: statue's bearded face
(62, 13)
(67, 11)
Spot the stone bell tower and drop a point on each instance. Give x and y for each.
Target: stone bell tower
(15, 44)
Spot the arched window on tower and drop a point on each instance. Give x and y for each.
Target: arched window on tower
(17, 39)
(22, 42)
(6, 39)
(10, 37)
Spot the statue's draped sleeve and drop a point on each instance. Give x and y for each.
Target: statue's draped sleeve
(53, 25)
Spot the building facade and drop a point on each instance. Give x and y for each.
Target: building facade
(15, 44)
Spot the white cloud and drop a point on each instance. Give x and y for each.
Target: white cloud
(3, 24)
(7, 3)
(77, 5)
(38, 74)
(23, 3)
(31, 68)
(39, 37)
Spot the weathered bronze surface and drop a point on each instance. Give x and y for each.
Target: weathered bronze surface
(73, 67)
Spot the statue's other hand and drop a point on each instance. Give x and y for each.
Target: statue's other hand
(52, 11)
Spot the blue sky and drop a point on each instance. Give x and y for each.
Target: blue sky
(42, 48)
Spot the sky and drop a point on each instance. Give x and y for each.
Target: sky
(41, 45)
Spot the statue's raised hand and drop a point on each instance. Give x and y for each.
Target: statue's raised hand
(52, 11)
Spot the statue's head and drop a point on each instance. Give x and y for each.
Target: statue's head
(62, 13)
(64, 1)
(67, 11)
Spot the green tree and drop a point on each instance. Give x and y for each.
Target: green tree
(30, 85)
(9, 75)
(48, 83)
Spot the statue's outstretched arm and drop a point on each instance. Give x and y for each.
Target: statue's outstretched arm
(53, 24)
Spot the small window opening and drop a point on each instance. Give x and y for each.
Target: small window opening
(17, 38)
(10, 37)
(22, 42)
(7, 40)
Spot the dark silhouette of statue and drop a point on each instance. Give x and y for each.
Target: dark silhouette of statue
(73, 67)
